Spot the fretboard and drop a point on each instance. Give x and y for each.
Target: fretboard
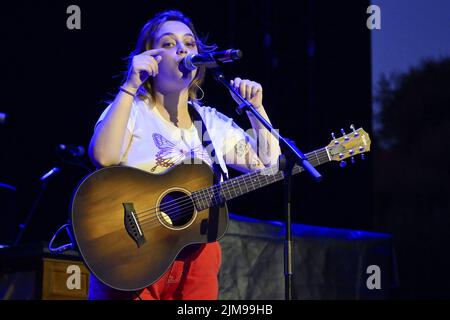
(249, 182)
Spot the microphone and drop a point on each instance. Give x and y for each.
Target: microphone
(209, 60)
(74, 151)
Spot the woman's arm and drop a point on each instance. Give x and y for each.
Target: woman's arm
(267, 147)
(249, 155)
(111, 133)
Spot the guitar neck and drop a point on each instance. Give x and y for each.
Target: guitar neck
(249, 182)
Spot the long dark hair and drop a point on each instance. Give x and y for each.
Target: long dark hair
(146, 42)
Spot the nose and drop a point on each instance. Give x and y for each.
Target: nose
(182, 49)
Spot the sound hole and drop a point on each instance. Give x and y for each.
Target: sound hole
(177, 208)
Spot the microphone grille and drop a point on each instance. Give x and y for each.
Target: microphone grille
(186, 64)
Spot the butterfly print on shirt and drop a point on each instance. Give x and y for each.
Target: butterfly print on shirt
(170, 154)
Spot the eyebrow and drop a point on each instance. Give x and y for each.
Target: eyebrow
(172, 34)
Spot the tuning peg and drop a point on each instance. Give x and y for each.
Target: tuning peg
(343, 164)
(345, 135)
(354, 130)
(353, 160)
(334, 138)
(363, 157)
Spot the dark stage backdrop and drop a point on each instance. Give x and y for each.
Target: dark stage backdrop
(312, 58)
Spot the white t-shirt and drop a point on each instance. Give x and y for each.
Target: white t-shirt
(156, 144)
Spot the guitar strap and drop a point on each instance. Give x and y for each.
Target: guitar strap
(212, 225)
(204, 137)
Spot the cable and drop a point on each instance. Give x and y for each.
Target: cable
(63, 247)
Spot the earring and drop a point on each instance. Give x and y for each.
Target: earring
(203, 93)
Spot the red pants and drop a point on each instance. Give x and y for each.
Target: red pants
(193, 276)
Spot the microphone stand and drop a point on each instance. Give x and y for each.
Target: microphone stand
(290, 156)
(43, 187)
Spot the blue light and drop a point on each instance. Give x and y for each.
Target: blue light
(303, 230)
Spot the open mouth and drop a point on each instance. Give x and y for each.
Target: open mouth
(183, 69)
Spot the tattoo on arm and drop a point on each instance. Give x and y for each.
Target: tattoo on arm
(254, 163)
(243, 151)
(241, 148)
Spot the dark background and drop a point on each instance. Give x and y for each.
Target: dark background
(312, 58)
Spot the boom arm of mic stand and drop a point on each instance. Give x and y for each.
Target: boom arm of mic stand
(289, 148)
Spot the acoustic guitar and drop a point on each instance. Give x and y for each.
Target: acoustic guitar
(130, 225)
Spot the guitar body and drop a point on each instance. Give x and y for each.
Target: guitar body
(130, 225)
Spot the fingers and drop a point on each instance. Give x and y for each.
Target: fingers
(240, 85)
(154, 56)
(143, 66)
(248, 89)
(146, 63)
(153, 52)
(255, 89)
(153, 64)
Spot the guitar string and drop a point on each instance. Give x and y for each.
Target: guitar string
(185, 207)
(181, 212)
(184, 210)
(154, 222)
(224, 186)
(187, 203)
(187, 200)
(200, 194)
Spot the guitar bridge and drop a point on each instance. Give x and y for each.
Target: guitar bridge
(132, 224)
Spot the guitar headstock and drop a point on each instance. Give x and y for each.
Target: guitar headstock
(349, 145)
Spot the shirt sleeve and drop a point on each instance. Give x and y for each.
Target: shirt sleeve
(225, 131)
(130, 127)
(131, 120)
